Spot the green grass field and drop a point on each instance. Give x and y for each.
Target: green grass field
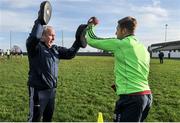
(84, 90)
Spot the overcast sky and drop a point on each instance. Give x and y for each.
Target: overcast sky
(17, 17)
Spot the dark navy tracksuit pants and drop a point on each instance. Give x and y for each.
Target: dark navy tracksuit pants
(132, 108)
(41, 104)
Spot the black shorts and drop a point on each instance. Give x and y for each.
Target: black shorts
(132, 108)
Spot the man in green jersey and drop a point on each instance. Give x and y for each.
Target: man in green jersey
(131, 69)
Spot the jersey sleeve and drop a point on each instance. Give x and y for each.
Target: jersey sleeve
(108, 44)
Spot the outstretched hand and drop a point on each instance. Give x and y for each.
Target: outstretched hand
(80, 35)
(80, 32)
(93, 20)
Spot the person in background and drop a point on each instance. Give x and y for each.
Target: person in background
(8, 54)
(161, 57)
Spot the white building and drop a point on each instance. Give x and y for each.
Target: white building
(170, 49)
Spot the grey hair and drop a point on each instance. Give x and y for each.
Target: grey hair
(45, 29)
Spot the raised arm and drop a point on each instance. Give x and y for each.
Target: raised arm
(34, 37)
(108, 44)
(80, 42)
(36, 33)
(68, 53)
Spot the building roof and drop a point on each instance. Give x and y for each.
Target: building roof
(166, 43)
(166, 46)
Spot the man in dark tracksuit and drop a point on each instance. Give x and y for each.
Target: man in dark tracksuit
(43, 70)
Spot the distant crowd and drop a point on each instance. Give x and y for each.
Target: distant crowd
(8, 53)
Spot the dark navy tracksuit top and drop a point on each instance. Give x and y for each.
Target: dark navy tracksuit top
(43, 61)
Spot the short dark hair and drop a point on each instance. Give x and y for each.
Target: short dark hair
(129, 23)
